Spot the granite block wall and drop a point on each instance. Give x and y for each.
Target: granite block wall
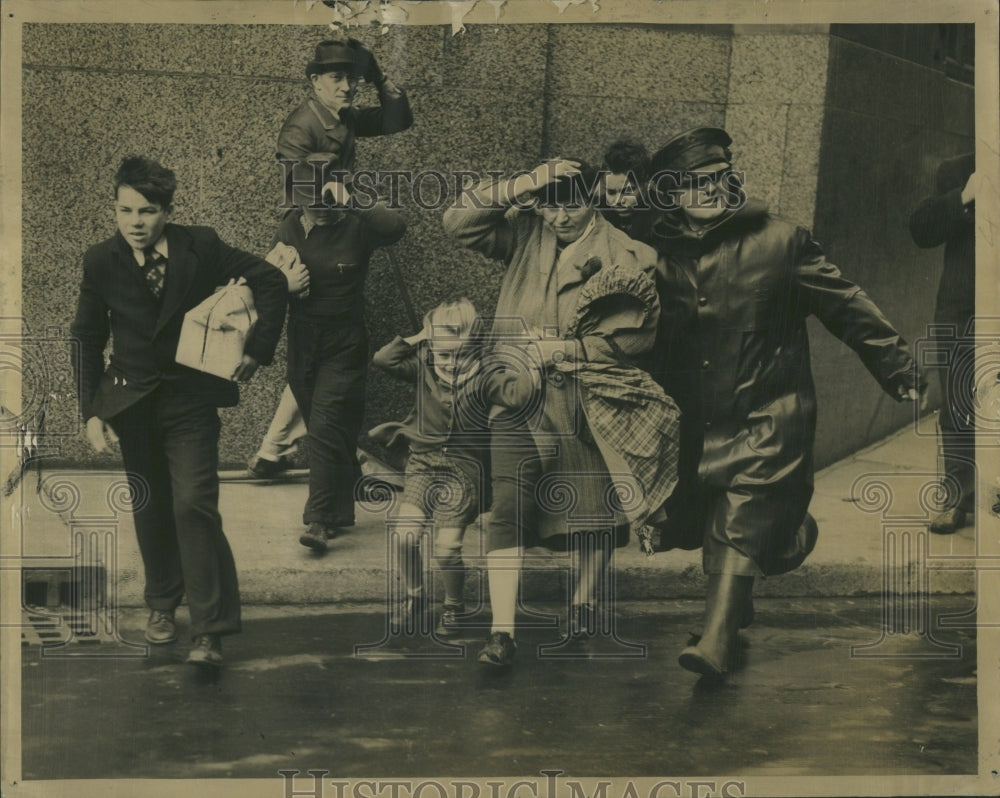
(777, 84)
(891, 116)
(208, 101)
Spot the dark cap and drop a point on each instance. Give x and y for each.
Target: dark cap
(331, 55)
(693, 149)
(576, 190)
(306, 181)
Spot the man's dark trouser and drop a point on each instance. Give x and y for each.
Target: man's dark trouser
(169, 443)
(957, 420)
(327, 370)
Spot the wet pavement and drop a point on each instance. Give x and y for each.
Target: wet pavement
(297, 692)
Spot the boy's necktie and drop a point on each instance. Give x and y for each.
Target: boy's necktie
(155, 270)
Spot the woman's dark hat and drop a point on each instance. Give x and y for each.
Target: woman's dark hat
(576, 190)
(693, 149)
(331, 55)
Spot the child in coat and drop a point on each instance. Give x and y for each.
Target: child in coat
(448, 436)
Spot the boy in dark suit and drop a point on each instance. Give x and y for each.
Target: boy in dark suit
(137, 286)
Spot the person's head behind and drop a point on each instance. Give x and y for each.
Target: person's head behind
(626, 168)
(450, 327)
(567, 205)
(334, 73)
(144, 200)
(305, 185)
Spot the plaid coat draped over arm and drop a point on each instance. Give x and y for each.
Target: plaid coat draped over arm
(635, 425)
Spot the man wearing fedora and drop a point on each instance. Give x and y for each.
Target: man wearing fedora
(736, 284)
(323, 128)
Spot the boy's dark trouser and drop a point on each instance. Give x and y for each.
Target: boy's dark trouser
(327, 370)
(957, 421)
(169, 444)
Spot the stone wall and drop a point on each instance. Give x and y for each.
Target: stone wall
(891, 116)
(208, 101)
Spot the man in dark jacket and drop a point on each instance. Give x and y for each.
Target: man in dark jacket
(328, 342)
(736, 285)
(325, 125)
(948, 218)
(323, 128)
(137, 286)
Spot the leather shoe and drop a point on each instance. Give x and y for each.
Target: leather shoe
(316, 537)
(498, 651)
(949, 522)
(160, 628)
(260, 468)
(207, 651)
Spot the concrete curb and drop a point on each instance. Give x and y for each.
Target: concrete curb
(870, 509)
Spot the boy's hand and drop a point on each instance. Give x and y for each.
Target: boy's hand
(297, 276)
(286, 258)
(245, 370)
(98, 435)
(910, 386)
(969, 192)
(549, 171)
(416, 338)
(338, 193)
(912, 395)
(553, 170)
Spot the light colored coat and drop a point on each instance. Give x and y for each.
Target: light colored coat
(575, 491)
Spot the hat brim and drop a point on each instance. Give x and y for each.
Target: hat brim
(319, 67)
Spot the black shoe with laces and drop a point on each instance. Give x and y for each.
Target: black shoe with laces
(207, 651)
(316, 537)
(261, 468)
(450, 622)
(498, 651)
(161, 627)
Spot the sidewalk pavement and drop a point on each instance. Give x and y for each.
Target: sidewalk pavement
(872, 508)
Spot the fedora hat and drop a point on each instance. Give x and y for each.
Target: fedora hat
(331, 55)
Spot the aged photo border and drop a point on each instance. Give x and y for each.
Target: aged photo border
(984, 13)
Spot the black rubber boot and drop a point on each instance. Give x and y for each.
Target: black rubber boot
(726, 605)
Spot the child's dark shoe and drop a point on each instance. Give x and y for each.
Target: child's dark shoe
(450, 622)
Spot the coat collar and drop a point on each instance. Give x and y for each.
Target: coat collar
(671, 228)
(327, 118)
(566, 269)
(182, 265)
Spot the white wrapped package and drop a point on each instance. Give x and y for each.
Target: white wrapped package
(215, 332)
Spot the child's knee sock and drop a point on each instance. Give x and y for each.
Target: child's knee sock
(411, 567)
(449, 562)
